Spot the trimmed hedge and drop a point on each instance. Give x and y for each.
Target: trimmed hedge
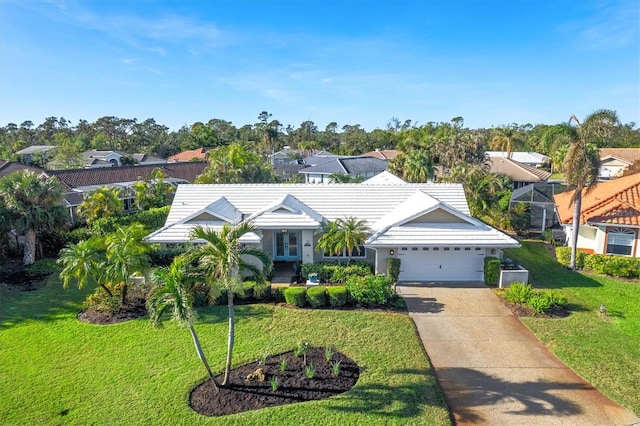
(164, 256)
(491, 270)
(317, 296)
(295, 296)
(337, 296)
(371, 290)
(616, 266)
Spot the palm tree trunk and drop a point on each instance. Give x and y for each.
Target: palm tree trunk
(577, 206)
(196, 342)
(230, 341)
(107, 290)
(29, 247)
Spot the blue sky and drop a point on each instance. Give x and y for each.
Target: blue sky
(352, 62)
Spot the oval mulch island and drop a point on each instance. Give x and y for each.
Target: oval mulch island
(293, 385)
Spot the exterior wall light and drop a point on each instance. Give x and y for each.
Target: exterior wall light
(392, 252)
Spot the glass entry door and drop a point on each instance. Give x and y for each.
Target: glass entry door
(286, 245)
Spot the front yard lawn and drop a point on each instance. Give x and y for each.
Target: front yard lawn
(603, 350)
(55, 369)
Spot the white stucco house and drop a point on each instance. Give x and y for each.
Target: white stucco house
(609, 217)
(427, 226)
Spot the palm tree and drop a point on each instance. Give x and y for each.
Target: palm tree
(35, 205)
(170, 292)
(85, 263)
(506, 139)
(101, 203)
(343, 234)
(127, 254)
(582, 162)
(223, 260)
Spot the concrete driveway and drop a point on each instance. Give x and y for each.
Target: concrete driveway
(493, 370)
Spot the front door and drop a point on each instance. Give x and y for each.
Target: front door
(286, 246)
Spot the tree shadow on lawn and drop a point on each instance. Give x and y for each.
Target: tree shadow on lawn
(46, 303)
(398, 402)
(466, 389)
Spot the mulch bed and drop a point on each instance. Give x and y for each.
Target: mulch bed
(126, 313)
(293, 385)
(526, 311)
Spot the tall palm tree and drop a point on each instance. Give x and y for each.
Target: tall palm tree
(84, 263)
(506, 139)
(223, 260)
(127, 254)
(582, 162)
(170, 293)
(35, 204)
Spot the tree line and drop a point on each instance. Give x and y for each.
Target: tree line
(445, 140)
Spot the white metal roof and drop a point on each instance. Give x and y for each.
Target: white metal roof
(392, 211)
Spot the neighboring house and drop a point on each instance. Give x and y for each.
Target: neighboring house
(521, 174)
(614, 161)
(97, 158)
(363, 167)
(384, 178)
(609, 218)
(384, 154)
(286, 156)
(8, 167)
(28, 152)
(427, 226)
(532, 159)
(321, 157)
(79, 182)
(190, 155)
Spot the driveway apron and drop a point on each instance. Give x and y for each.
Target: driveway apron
(493, 370)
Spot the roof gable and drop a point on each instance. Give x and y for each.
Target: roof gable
(517, 171)
(614, 202)
(220, 210)
(288, 209)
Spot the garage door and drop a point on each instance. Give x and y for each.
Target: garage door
(441, 263)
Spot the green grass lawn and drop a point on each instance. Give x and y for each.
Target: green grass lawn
(605, 352)
(57, 370)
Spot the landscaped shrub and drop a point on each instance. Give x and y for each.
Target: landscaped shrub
(341, 273)
(317, 296)
(79, 234)
(555, 298)
(563, 255)
(337, 296)
(278, 294)
(295, 296)
(393, 268)
(370, 290)
(164, 256)
(491, 270)
(595, 263)
(259, 291)
(518, 293)
(336, 272)
(539, 303)
(621, 266)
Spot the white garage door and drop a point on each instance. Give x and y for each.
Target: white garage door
(441, 264)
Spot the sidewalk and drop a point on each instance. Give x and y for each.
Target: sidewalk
(493, 370)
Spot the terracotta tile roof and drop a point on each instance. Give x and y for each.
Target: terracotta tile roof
(8, 167)
(384, 154)
(615, 202)
(106, 175)
(630, 155)
(518, 172)
(189, 155)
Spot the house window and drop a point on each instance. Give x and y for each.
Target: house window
(620, 241)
